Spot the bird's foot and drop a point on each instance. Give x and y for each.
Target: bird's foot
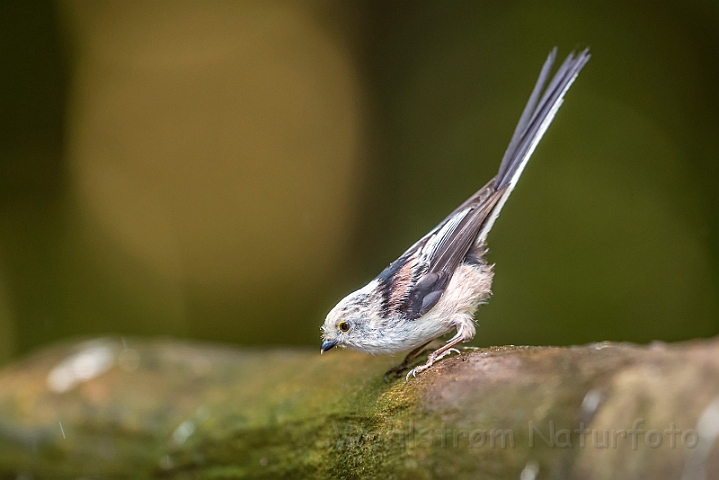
(430, 361)
(396, 371)
(444, 354)
(416, 370)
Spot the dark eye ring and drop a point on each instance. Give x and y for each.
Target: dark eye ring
(343, 326)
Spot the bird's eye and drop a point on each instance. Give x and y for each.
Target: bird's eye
(343, 326)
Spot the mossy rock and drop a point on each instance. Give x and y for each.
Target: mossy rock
(128, 408)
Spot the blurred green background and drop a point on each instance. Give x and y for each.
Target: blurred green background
(229, 170)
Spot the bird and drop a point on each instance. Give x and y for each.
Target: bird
(436, 286)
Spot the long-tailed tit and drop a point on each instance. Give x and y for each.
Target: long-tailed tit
(438, 283)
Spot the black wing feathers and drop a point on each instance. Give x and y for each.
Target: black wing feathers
(447, 257)
(415, 282)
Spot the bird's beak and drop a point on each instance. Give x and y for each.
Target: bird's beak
(328, 345)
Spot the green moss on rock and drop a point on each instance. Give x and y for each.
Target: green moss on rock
(162, 409)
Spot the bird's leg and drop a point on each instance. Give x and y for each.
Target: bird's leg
(462, 335)
(408, 359)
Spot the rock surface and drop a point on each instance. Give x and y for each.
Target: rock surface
(128, 408)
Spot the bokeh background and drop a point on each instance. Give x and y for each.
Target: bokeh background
(227, 171)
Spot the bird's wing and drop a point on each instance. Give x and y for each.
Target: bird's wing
(414, 283)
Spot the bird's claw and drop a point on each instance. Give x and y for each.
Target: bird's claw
(444, 354)
(430, 361)
(415, 371)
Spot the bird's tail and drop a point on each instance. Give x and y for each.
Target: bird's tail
(537, 115)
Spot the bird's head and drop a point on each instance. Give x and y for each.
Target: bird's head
(347, 322)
